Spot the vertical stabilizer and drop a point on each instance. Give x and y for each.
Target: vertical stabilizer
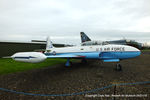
(84, 37)
(49, 44)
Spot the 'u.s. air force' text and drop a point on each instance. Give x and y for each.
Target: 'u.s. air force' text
(111, 49)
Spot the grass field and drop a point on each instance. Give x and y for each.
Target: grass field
(146, 50)
(10, 66)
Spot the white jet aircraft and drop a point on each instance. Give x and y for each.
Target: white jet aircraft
(106, 53)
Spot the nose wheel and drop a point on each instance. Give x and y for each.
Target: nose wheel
(118, 67)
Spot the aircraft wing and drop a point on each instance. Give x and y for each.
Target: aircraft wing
(65, 56)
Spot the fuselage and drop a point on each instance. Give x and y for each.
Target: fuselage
(97, 51)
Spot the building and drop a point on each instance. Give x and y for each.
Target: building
(9, 48)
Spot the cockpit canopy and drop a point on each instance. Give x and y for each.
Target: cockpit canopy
(94, 43)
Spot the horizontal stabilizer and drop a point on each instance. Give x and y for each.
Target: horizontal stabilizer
(111, 60)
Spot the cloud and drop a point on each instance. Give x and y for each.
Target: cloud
(100, 19)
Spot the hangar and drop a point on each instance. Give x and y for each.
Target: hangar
(9, 48)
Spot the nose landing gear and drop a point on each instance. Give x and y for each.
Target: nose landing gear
(118, 67)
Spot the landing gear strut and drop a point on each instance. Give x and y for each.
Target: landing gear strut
(118, 67)
(68, 63)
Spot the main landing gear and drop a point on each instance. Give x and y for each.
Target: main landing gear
(68, 63)
(118, 67)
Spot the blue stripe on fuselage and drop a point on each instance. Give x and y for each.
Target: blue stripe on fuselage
(126, 55)
(24, 57)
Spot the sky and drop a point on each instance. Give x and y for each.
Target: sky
(63, 20)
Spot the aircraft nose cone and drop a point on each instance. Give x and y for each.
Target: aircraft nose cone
(138, 52)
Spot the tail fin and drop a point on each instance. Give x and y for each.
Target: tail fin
(84, 37)
(49, 44)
